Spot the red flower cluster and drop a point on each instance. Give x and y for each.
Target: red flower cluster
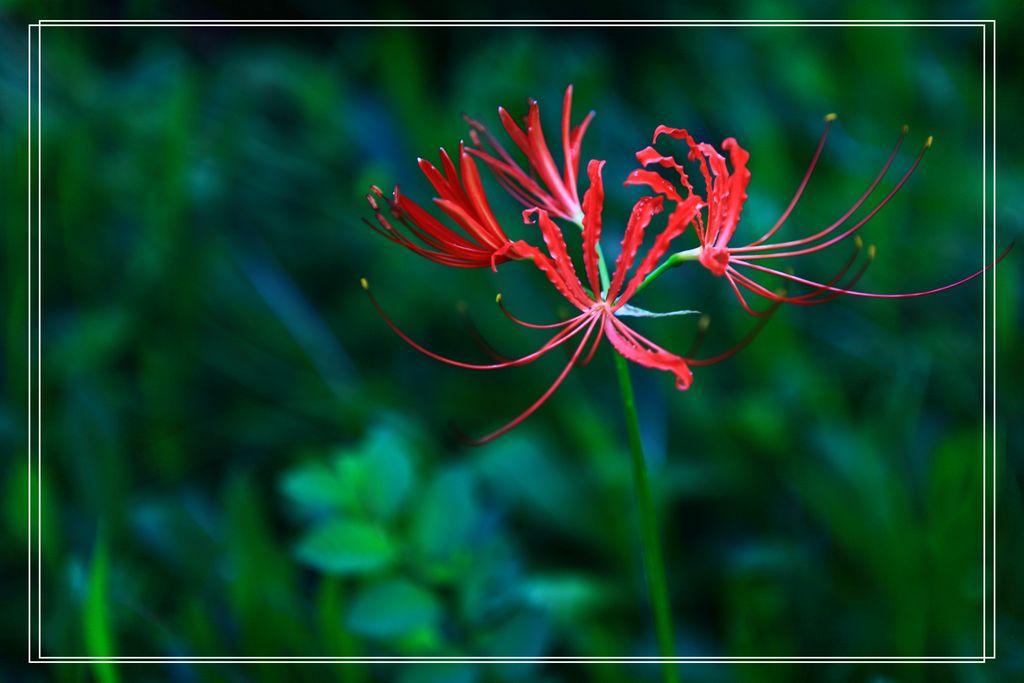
(603, 300)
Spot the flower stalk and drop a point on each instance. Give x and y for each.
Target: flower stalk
(650, 539)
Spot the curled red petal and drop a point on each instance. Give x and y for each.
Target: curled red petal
(555, 242)
(541, 160)
(649, 155)
(647, 354)
(643, 211)
(737, 190)
(478, 200)
(552, 273)
(593, 201)
(514, 131)
(654, 181)
(681, 217)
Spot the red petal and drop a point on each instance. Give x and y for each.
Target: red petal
(677, 222)
(593, 201)
(628, 343)
(559, 253)
(649, 155)
(514, 131)
(570, 168)
(541, 160)
(737, 188)
(654, 181)
(551, 271)
(643, 211)
(478, 200)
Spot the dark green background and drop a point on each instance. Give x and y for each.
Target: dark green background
(216, 385)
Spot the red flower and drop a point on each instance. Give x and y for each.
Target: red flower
(602, 301)
(482, 242)
(599, 311)
(553, 191)
(726, 192)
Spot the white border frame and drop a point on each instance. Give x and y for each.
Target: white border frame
(988, 254)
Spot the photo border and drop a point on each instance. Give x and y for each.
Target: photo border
(989, 508)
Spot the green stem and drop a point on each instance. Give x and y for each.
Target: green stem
(676, 259)
(603, 268)
(654, 565)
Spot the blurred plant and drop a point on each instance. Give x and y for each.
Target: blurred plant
(603, 300)
(411, 563)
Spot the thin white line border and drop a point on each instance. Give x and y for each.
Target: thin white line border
(988, 508)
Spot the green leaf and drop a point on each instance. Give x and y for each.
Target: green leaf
(446, 514)
(99, 638)
(315, 486)
(523, 635)
(387, 475)
(392, 608)
(346, 547)
(567, 596)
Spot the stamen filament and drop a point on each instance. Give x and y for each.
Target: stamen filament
(756, 246)
(803, 183)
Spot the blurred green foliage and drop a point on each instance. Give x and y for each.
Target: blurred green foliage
(241, 459)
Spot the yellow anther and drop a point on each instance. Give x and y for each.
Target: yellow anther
(928, 142)
(831, 117)
(364, 283)
(858, 242)
(497, 299)
(704, 323)
(871, 252)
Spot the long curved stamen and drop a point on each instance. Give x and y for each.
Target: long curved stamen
(858, 244)
(555, 341)
(478, 337)
(818, 296)
(427, 228)
(546, 395)
(594, 346)
(823, 298)
(513, 173)
(846, 233)
(803, 183)
(742, 343)
(730, 276)
(871, 295)
(761, 290)
(477, 128)
(440, 257)
(498, 299)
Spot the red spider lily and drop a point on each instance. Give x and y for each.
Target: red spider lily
(598, 311)
(553, 191)
(726, 193)
(481, 244)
